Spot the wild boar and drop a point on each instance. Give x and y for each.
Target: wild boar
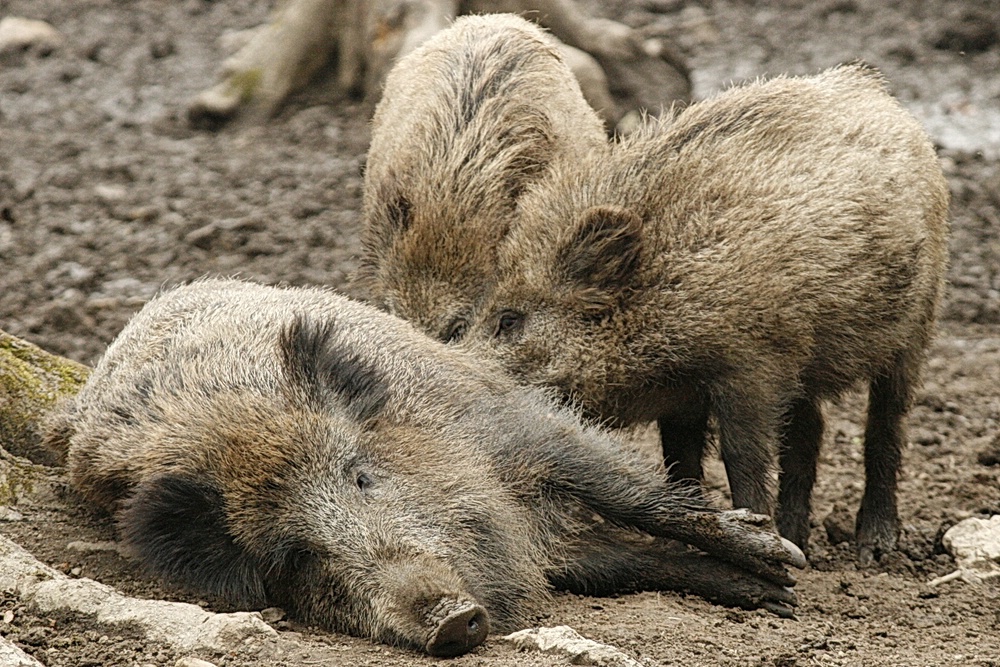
(761, 251)
(466, 123)
(293, 447)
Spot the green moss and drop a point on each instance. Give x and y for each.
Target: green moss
(31, 382)
(17, 478)
(245, 83)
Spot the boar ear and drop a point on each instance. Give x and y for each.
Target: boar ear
(328, 369)
(603, 254)
(529, 146)
(177, 527)
(398, 212)
(387, 209)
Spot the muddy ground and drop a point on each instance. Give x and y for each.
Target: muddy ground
(106, 194)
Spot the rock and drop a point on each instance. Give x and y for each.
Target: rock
(185, 627)
(839, 525)
(970, 33)
(191, 661)
(92, 547)
(10, 514)
(12, 656)
(31, 382)
(20, 34)
(272, 615)
(110, 193)
(564, 640)
(974, 539)
(926, 437)
(18, 476)
(162, 47)
(975, 544)
(991, 455)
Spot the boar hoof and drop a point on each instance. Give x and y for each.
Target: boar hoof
(459, 632)
(875, 537)
(798, 556)
(779, 609)
(870, 551)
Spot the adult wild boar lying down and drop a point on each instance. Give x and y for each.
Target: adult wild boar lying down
(293, 447)
(759, 252)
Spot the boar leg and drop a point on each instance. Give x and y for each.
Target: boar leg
(593, 83)
(392, 29)
(597, 473)
(683, 442)
(604, 562)
(799, 453)
(748, 428)
(889, 397)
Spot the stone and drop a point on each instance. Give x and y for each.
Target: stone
(975, 544)
(12, 656)
(184, 627)
(564, 640)
(21, 34)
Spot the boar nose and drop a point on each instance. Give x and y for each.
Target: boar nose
(460, 632)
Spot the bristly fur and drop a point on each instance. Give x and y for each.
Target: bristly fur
(316, 361)
(467, 124)
(177, 527)
(292, 447)
(748, 257)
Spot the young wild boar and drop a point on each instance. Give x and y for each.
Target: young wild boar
(761, 251)
(292, 447)
(465, 124)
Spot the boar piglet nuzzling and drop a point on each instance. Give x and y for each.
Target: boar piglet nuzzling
(467, 122)
(292, 447)
(757, 253)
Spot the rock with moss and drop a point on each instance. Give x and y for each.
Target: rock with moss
(19, 477)
(32, 383)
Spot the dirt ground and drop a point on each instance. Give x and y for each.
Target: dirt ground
(106, 194)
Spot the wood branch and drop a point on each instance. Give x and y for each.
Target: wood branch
(620, 73)
(32, 383)
(278, 59)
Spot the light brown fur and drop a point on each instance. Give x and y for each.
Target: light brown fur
(466, 123)
(761, 251)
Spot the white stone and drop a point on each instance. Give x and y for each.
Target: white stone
(974, 540)
(564, 640)
(92, 547)
(20, 33)
(12, 656)
(10, 514)
(191, 661)
(186, 627)
(975, 544)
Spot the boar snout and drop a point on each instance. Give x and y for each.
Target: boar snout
(432, 607)
(463, 629)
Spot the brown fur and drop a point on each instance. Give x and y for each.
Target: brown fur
(761, 251)
(466, 123)
(292, 447)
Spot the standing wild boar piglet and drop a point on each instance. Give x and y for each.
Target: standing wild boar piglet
(292, 447)
(466, 123)
(761, 251)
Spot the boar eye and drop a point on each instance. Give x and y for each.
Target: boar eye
(364, 482)
(508, 322)
(456, 330)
